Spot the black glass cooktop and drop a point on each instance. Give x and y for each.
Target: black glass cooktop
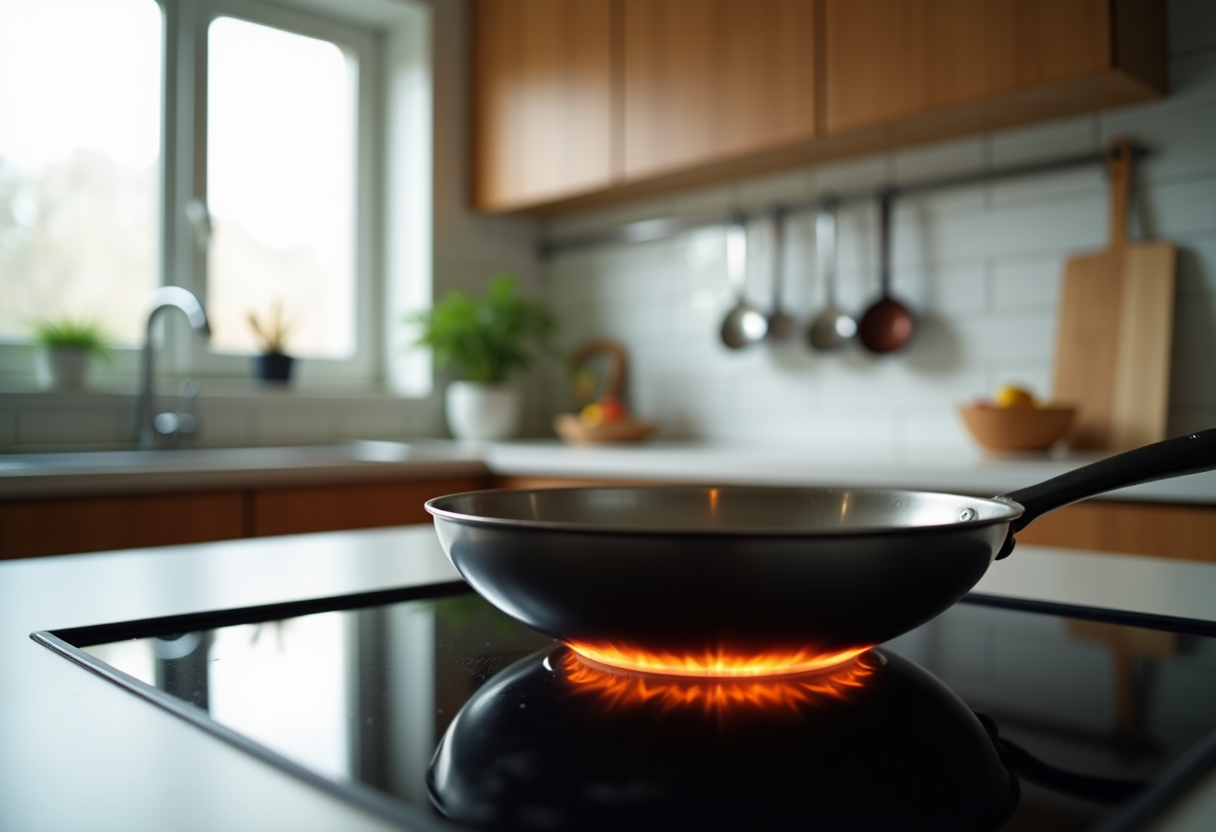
(436, 710)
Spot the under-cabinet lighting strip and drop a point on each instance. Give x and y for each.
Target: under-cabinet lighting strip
(664, 227)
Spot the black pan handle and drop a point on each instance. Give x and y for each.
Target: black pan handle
(1190, 454)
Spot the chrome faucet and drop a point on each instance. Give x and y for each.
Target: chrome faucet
(166, 424)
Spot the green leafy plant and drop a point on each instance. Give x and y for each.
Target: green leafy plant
(71, 333)
(489, 337)
(273, 332)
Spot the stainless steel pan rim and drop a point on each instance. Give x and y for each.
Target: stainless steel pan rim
(504, 508)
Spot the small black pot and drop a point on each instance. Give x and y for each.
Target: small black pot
(273, 367)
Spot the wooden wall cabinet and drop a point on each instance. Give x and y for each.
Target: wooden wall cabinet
(595, 101)
(542, 100)
(992, 62)
(703, 80)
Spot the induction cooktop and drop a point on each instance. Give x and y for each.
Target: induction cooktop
(433, 709)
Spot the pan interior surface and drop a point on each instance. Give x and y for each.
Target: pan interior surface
(725, 510)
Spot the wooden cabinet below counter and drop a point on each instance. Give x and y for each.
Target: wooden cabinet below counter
(66, 525)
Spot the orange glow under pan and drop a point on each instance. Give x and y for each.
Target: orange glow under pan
(716, 664)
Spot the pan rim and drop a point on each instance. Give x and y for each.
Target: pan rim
(1012, 510)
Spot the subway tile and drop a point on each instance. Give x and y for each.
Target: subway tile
(1180, 208)
(716, 201)
(934, 161)
(1196, 275)
(853, 175)
(1192, 78)
(934, 429)
(224, 424)
(1193, 357)
(843, 431)
(1181, 139)
(1192, 25)
(1026, 282)
(371, 420)
(1044, 142)
(8, 427)
(313, 422)
(761, 193)
(1188, 419)
(82, 424)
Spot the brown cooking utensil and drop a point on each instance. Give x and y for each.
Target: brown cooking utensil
(887, 325)
(1115, 329)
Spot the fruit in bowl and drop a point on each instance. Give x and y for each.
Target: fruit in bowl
(1015, 420)
(602, 421)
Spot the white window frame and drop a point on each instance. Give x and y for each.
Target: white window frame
(185, 177)
(394, 205)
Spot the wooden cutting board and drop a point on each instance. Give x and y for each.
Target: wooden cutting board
(1115, 330)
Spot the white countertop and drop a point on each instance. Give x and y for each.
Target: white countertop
(77, 752)
(46, 475)
(972, 473)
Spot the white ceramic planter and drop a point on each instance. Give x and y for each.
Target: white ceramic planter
(482, 411)
(62, 368)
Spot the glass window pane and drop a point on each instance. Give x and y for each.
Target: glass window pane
(80, 112)
(281, 167)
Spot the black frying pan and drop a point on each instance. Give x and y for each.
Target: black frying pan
(746, 580)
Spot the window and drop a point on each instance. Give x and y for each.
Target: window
(79, 161)
(249, 152)
(282, 130)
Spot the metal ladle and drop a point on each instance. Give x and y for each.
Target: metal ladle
(887, 325)
(833, 327)
(744, 324)
(780, 325)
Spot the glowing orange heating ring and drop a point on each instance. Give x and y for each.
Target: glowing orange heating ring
(713, 664)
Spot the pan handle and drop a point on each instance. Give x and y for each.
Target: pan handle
(1190, 454)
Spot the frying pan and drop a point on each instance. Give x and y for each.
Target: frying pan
(753, 580)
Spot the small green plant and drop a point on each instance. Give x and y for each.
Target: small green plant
(488, 338)
(71, 333)
(273, 332)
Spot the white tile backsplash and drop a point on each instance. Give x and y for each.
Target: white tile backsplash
(981, 265)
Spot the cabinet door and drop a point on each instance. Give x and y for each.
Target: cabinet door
(704, 80)
(542, 100)
(890, 59)
(353, 506)
(57, 526)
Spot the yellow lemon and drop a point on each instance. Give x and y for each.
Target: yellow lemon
(1010, 396)
(591, 415)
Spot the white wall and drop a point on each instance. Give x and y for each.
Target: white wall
(981, 265)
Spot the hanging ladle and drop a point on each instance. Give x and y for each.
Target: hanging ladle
(887, 325)
(744, 324)
(833, 327)
(780, 325)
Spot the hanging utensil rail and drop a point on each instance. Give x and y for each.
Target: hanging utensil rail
(663, 227)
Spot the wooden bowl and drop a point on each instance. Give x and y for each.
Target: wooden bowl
(1017, 428)
(572, 429)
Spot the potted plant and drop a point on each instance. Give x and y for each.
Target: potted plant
(65, 346)
(488, 339)
(273, 365)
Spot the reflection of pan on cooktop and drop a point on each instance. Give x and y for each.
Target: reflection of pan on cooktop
(555, 742)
